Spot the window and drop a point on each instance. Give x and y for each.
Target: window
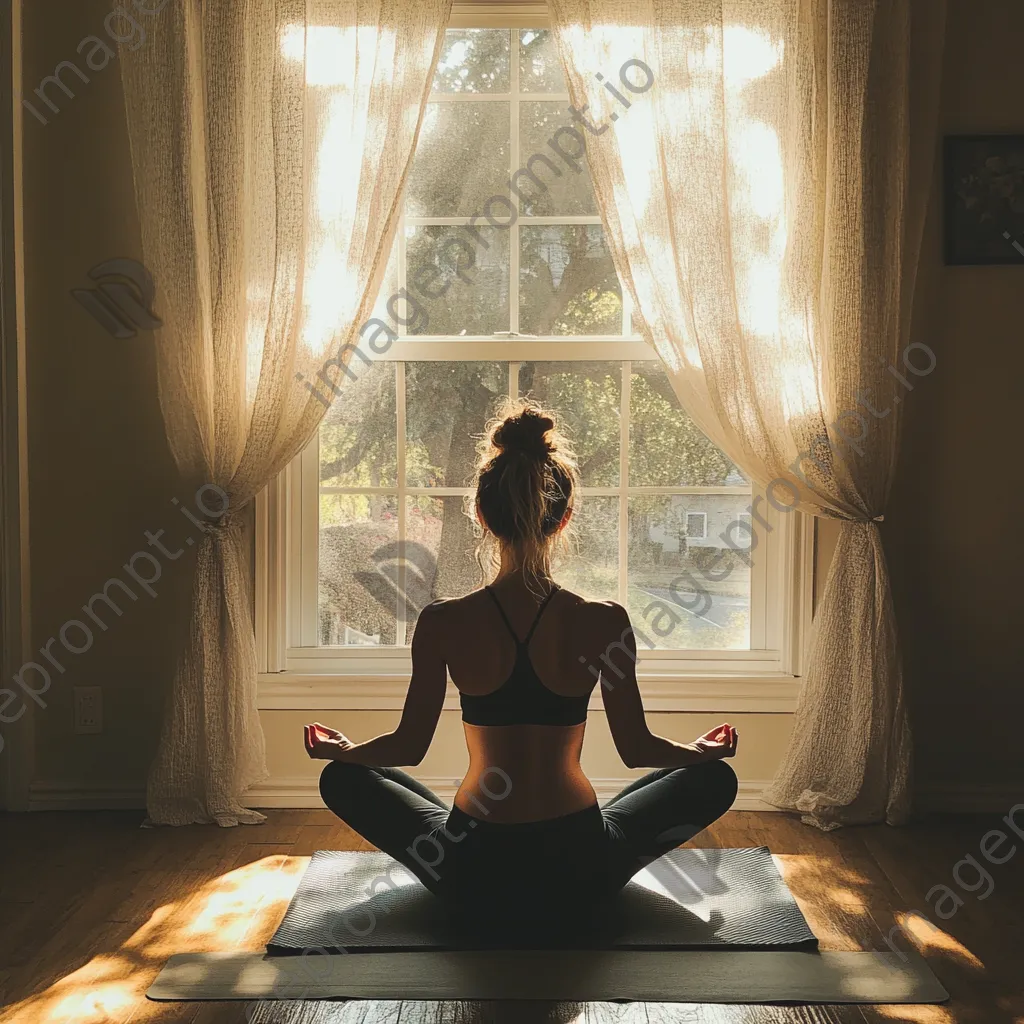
(500, 284)
(696, 526)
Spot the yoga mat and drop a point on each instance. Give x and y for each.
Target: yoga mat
(688, 899)
(686, 976)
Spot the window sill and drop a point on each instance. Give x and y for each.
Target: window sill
(765, 693)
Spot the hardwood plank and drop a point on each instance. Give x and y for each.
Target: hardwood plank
(669, 1013)
(331, 836)
(367, 1011)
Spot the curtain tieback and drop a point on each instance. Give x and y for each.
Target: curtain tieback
(219, 528)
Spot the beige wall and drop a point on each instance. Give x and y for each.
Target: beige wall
(99, 469)
(100, 472)
(952, 532)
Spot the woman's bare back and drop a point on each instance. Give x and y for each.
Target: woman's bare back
(524, 772)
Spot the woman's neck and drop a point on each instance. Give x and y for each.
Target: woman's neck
(513, 567)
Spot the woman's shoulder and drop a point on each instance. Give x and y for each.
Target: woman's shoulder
(592, 612)
(445, 609)
(607, 611)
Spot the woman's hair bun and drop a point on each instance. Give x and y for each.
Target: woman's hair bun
(527, 432)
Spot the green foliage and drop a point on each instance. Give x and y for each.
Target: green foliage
(666, 448)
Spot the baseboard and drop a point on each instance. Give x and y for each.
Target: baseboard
(299, 791)
(56, 795)
(959, 798)
(302, 791)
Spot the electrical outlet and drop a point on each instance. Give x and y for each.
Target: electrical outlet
(88, 709)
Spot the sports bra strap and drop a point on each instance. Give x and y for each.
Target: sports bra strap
(536, 618)
(540, 612)
(501, 612)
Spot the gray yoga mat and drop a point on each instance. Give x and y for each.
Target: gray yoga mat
(686, 976)
(688, 899)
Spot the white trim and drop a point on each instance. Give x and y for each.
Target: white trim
(403, 497)
(725, 692)
(271, 575)
(625, 392)
(524, 349)
(18, 757)
(303, 792)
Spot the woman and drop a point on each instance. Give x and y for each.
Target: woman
(525, 834)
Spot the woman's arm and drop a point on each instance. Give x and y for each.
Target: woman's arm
(637, 745)
(408, 744)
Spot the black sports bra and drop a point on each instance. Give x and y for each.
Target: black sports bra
(523, 699)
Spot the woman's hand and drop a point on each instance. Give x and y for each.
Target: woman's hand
(324, 743)
(718, 743)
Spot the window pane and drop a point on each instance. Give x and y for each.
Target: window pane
(470, 280)
(539, 67)
(567, 283)
(473, 60)
(440, 552)
(446, 405)
(587, 397)
(696, 525)
(461, 161)
(358, 439)
(558, 189)
(590, 566)
(357, 585)
(665, 447)
(686, 591)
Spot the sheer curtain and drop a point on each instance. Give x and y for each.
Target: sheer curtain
(763, 202)
(270, 144)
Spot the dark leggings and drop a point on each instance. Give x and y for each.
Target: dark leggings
(588, 854)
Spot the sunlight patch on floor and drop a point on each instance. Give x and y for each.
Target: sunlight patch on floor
(917, 1014)
(802, 873)
(233, 911)
(851, 902)
(929, 937)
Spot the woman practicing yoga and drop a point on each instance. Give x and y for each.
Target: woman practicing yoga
(525, 834)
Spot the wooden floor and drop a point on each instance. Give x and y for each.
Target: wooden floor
(91, 906)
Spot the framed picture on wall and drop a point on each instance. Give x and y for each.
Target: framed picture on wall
(984, 199)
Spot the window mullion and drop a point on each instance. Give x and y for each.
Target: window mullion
(513, 156)
(308, 519)
(400, 602)
(401, 242)
(624, 484)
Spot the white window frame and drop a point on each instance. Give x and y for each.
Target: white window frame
(297, 674)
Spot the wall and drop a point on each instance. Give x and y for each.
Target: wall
(99, 469)
(100, 473)
(951, 531)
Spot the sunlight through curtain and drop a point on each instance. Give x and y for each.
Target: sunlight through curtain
(764, 204)
(270, 145)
